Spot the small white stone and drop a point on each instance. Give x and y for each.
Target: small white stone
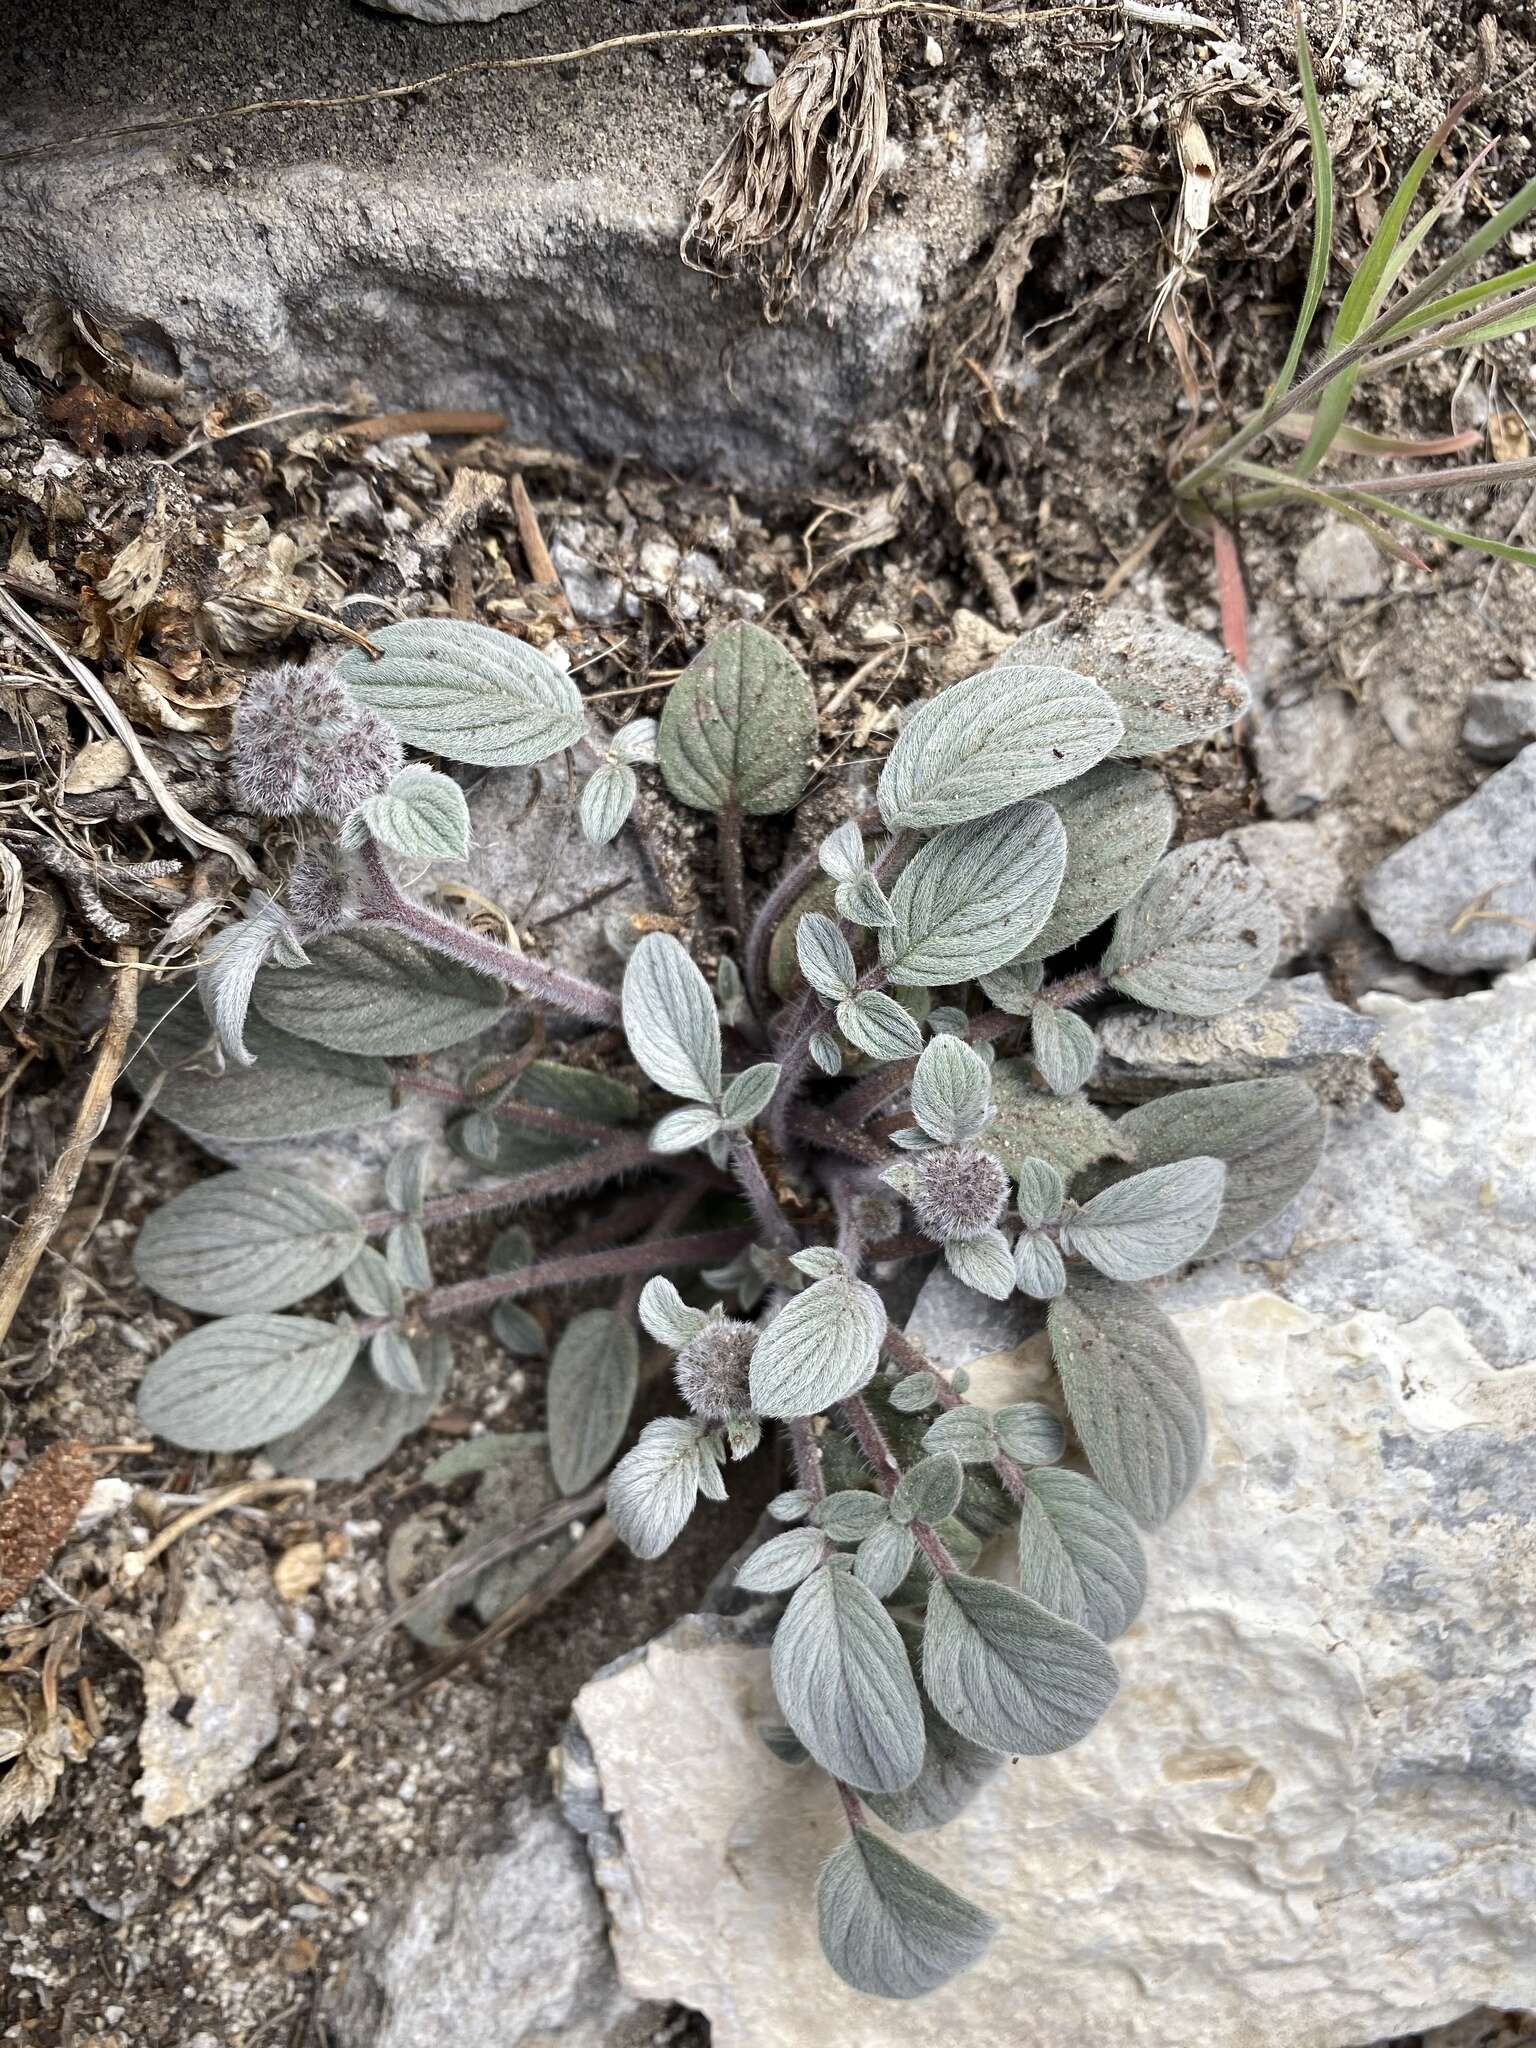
(759, 70)
(933, 52)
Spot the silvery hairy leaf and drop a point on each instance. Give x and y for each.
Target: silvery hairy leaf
(607, 798)
(863, 902)
(749, 1093)
(233, 1384)
(362, 1423)
(518, 1331)
(1067, 1131)
(911, 1141)
(792, 1506)
(467, 693)
(783, 1743)
(984, 1262)
(953, 1771)
(371, 1285)
(1009, 1675)
(421, 815)
(590, 1392)
(1063, 1047)
(246, 1241)
(826, 958)
(511, 1250)
(844, 1685)
(575, 1091)
(1041, 1191)
(230, 963)
(1038, 1268)
(884, 1558)
(849, 1515)
(653, 1488)
(681, 1129)
(1118, 821)
(666, 1316)
(730, 991)
(929, 1491)
(1029, 1432)
(1079, 1554)
(405, 1178)
(1169, 685)
(1268, 1134)
(783, 1561)
(981, 744)
(879, 1026)
(1132, 1392)
(670, 1021)
(394, 1363)
(967, 1432)
(840, 855)
(818, 1262)
(1201, 937)
(951, 1090)
(820, 1348)
(973, 895)
(826, 1052)
(376, 991)
(1014, 988)
(405, 1253)
(743, 1434)
(739, 726)
(711, 1458)
(914, 1393)
(635, 743)
(1151, 1223)
(888, 1927)
(948, 1021)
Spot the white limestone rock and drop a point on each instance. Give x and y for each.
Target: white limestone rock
(1307, 1821)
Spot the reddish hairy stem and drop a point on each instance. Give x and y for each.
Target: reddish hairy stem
(907, 1355)
(807, 1453)
(772, 1221)
(569, 1177)
(555, 1121)
(853, 1812)
(871, 1441)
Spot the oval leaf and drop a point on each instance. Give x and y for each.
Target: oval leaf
(783, 1561)
(233, 1384)
(971, 897)
(670, 1020)
(362, 1424)
(592, 1380)
(1037, 1266)
(422, 815)
(1029, 1432)
(1132, 1392)
(821, 1346)
(607, 798)
(950, 1091)
(1201, 937)
(1118, 823)
(392, 1358)
(983, 1262)
(654, 1487)
(888, 1927)
(1006, 1674)
(884, 1558)
(377, 991)
(467, 692)
(826, 958)
(1168, 684)
(371, 1285)
(929, 1492)
(1150, 1223)
(844, 1684)
(878, 1025)
(666, 1316)
(739, 726)
(1079, 1554)
(246, 1241)
(988, 741)
(296, 1089)
(1063, 1046)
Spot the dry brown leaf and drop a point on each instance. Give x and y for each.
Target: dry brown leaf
(1508, 440)
(299, 1570)
(100, 764)
(36, 1745)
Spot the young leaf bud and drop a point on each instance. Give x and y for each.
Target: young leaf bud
(712, 1370)
(959, 1191)
(317, 895)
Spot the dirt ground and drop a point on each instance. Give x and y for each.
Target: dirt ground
(1047, 474)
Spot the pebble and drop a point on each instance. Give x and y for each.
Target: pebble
(1340, 564)
(1304, 878)
(1500, 719)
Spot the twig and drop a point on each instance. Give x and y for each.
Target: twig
(270, 419)
(383, 426)
(51, 1203)
(137, 1562)
(297, 611)
(541, 564)
(703, 1248)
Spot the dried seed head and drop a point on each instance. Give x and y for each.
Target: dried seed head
(317, 895)
(959, 1191)
(302, 742)
(712, 1370)
(363, 760)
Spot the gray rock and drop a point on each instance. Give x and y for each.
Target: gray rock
(954, 1325)
(596, 597)
(1304, 748)
(1433, 1206)
(1461, 897)
(1290, 1027)
(452, 10)
(1500, 720)
(506, 1949)
(1305, 880)
(1341, 564)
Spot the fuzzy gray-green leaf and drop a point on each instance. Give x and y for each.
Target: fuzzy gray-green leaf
(1068, 1131)
(1169, 685)
(467, 693)
(1118, 821)
(929, 1491)
(950, 1091)
(666, 1316)
(826, 1052)
(607, 798)
(739, 726)
(1201, 937)
(986, 742)
(231, 1385)
(296, 1089)
(515, 1329)
(376, 991)
(591, 1390)
(973, 895)
(371, 1285)
(1150, 1223)
(1041, 1191)
(862, 901)
(878, 1025)
(749, 1093)
(967, 1432)
(406, 1255)
(1008, 1675)
(1079, 1554)
(1063, 1048)
(850, 1514)
(888, 1927)
(422, 815)
(884, 1558)
(1038, 1269)
(653, 1488)
(362, 1423)
(983, 1262)
(821, 1347)
(405, 1178)
(844, 1684)
(783, 1561)
(670, 1019)
(246, 1241)
(394, 1361)
(953, 1772)
(914, 1393)
(1029, 1432)
(826, 958)
(1132, 1392)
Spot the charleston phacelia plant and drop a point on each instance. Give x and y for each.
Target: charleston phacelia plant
(893, 1064)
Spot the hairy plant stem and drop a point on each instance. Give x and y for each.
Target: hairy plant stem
(554, 1121)
(910, 1359)
(771, 1219)
(853, 1811)
(807, 1455)
(733, 878)
(569, 1177)
(872, 1442)
(781, 898)
(387, 904)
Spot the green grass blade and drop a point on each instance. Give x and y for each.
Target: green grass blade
(1501, 550)
(1465, 300)
(1322, 214)
(1281, 485)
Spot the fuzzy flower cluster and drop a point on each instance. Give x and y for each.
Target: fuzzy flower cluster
(712, 1370)
(302, 742)
(957, 1191)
